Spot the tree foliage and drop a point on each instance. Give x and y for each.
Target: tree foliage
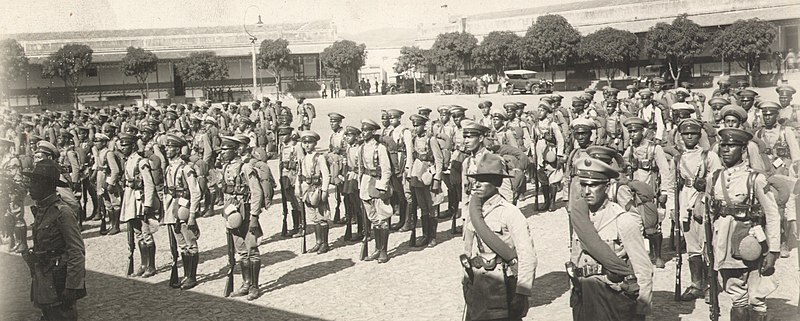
(498, 50)
(551, 40)
(345, 57)
(746, 42)
(274, 55)
(69, 63)
(13, 63)
(608, 47)
(411, 58)
(677, 43)
(453, 50)
(202, 67)
(139, 63)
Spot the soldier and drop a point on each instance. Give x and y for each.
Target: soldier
(242, 190)
(724, 90)
(582, 129)
(154, 152)
(502, 134)
(182, 200)
(549, 152)
(648, 164)
(109, 168)
(746, 228)
(306, 113)
(694, 165)
(398, 140)
(616, 137)
(789, 112)
(312, 181)
(457, 156)
(499, 255)
(485, 107)
(425, 177)
(747, 99)
(736, 117)
(631, 103)
(716, 105)
(609, 268)
(289, 157)
(375, 188)
(140, 203)
(337, 148)
(13, 217)
(350, 191)
(56, 238)
(84, 150)
(652, 113)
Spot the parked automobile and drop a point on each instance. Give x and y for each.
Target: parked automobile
(525, 81)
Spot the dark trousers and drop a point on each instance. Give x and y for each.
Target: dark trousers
(60, 312)
(593, 300)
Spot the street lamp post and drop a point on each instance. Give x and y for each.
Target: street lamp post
(253, 40)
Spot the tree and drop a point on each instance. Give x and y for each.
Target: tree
(746, 42)
(345, 57)
(70, 63)
(139, 63)
(453, 50)
(13, 64)
(498, 50)
(202, 67)
(608, 47)
(552, 40)
(411, 58)
(274, 55)
(677, 43)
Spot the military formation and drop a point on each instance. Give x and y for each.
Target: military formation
(724, 170)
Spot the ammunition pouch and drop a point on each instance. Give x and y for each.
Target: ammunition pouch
(374, 173)
(781, 149)
(311, 180)
(589, 270)
(426, 157)
(134, 184)
(488, 295)
(287, 165)
(48, 277)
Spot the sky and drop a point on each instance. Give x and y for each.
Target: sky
(351, 16)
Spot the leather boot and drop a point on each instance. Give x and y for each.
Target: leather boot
(545, 196)
(424, 241)
(740, 314)
(383, 256)
(244, 265)
(432, 231)
(359, 226)
(376, 234)
(348, 230)
(144, 257)
(323, 233)
(12, 244)
(296, 231)
(656, 240)
(21, 234)
(317, 237)
(407, 220)
(255, 269)
(553, 193)
(103, 216)
(696, 290)
(151, 261)
(758, 315)
(191, 279)
(114, 222)
(186, 266)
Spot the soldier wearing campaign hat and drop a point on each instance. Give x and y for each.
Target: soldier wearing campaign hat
(312, 189)
(549, 153)
(350, 189)
(648, 163)
(746, 232)
(182, 200)
(694, 166)
(612, 277)
(425, 179)
(337, 149)
(375, 188)
(140, 203)
(289, 154)
(241, 188)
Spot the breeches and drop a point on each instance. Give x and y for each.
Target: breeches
(187, 240)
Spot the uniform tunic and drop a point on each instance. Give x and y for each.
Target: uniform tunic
(695, 164)
(781, 140)
(290, 154)
(140, 192)
(653, 116)
(470, 167)
(375, 175)
(314, 177)
(182, 194)
(427, 165)
(242, 193)
(550, 141)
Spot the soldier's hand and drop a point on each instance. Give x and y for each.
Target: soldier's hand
(768, 266)
(253, 225)
(436, 186)
(194, 228)
(662, 200)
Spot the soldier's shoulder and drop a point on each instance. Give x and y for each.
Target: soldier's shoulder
(62, 207)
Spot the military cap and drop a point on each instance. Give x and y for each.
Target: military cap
(175, 140)
(612, 101)
(546, 106)
(742, 82)
(785, 90)
(101, 137)
(632, 87)
(369, 124)
(309, 136)
(424, 109)
(682, 106)
(658, 80)
(590, 91)
(47, 170)
(285, 130)
(681, 90)
(266, 99)
(690, 126)
(748, 93)
(149, 128)
(686, 84)
(718, 101)
(394, 113)
(595, 170)
(578, 99)
(548, 99)
(417, 119)
(587, 96)
(210, 120)
(634, 123)
(735, 111)
(443, 109)
(243, 138)
(456, 109)
(499, 113)
(583, 125)
(485, 104)
(613, 91)
(245, 120)
(725, 81)
(520, 105)
(335, 116)
(510, 105)
(350, 130)
(735, 136)
(127, 139)
(171, 114)
(470, 127)
(603, 153)
(645, 92)
(769, 107)
(490, 165)
(278, 102)
(66, 134)
(301, 100)
(557, 96)
(229, 142)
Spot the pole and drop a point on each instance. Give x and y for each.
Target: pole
(255, 80)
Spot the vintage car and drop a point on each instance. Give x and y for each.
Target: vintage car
(525, 81)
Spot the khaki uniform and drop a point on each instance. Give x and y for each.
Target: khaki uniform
(140, 193)
(656, 126)
(182, 194)
(470, 167)
(375, 173)
(314, 177)
(242, 192)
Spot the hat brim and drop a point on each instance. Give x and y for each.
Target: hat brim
(478, 176)
(57, 182)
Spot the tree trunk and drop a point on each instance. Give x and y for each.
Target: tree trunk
(672, 73)
(75, 96)
(278, 85)
(565, 75)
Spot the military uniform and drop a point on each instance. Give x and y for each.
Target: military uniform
(653, 115)
(746, 232)
(306, 113)
(289, 156)
(313, 180)
(425, 178)
(575, 157)
(13, 215)
(398, 143)
(445, 133)
(375, 189)
(337, 148)
(350, 190)
(109, 188)
(616, 136)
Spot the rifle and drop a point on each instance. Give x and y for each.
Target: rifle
(231, 263)
(365, 240)
(713, 287)
(677, 233)
(285, 228)
(173, 248)
(303, 248)
(131, 249)
(536, 182)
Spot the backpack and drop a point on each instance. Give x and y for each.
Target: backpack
(267, 181)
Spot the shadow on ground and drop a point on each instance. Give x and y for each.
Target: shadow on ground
(307, 273)
(549, 287)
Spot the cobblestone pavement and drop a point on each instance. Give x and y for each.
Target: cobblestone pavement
(416, 284)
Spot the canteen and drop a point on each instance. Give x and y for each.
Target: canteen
(183, 214)
(750, 248)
